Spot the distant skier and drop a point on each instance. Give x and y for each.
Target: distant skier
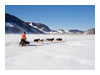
(23, 40)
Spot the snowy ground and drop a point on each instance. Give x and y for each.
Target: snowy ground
(75, 52)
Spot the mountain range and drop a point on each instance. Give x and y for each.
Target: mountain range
(15, 25)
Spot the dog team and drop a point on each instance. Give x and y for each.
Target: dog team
(47, 40)
(23, 41)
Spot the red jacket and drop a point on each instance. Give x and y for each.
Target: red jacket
(23, 36)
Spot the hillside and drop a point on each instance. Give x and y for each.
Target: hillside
(90, 31)
(16, 25)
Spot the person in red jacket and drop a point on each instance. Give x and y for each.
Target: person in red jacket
(23, 39)
(23, 36)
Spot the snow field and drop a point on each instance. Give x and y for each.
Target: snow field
(75, 52)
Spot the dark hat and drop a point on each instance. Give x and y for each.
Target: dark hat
(24, 32)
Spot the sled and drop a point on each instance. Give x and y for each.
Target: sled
(25, 43)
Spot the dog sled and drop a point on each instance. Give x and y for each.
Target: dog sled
(24, 43)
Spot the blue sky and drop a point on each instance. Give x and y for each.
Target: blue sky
(56, 16)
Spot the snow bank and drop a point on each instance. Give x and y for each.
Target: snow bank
(75, 52)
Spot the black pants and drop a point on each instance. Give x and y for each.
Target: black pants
(22, 42)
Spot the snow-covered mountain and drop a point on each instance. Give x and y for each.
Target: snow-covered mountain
(73, 31)
(90, 31)
(16, 25)
(76, 31)
(61, 31)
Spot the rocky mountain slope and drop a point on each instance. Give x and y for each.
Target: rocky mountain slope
(90, 31)
(16, 25)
